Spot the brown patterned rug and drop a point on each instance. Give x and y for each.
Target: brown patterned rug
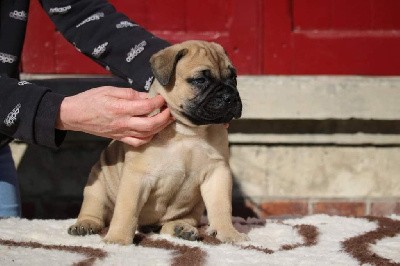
(311, 240)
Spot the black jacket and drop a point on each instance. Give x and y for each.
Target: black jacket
(28, 112)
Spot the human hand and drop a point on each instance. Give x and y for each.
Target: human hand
(117, 113)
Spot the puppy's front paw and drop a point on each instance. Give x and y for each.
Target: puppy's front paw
(118, 239)
(228, 236)
(186, 232)
(180, 229)
(85, 227)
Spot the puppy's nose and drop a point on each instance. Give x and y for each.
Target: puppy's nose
(227, 98)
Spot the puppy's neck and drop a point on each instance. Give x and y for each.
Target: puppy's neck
(182, 125)
(189, 131)
(155, 89)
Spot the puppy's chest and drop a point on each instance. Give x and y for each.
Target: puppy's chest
(185, 161)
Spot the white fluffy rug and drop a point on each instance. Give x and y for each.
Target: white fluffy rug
(311, 240)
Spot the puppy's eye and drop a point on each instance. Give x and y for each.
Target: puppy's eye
(199, 81)
(234, 80)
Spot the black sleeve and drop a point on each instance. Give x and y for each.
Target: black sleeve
(28, 112)
(110, 38)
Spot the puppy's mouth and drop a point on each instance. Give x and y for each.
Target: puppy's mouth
(217, 106)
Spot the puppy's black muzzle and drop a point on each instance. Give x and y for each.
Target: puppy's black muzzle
(232, 99)
(225, 102)
(220, 105)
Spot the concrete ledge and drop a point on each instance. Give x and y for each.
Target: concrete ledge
(316, 139)
(339, 110)
(320, 97)
(275, 172)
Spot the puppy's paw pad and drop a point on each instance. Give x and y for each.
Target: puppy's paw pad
(186, 232)
(211, 232)
(85, 227)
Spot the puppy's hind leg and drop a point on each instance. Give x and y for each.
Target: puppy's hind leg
(91, 219)
(186, 227)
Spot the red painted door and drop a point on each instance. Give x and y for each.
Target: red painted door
(332, 37)
(235, 24)
(261, 36)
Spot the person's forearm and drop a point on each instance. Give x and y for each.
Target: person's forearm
(28, 112)
(108, 37)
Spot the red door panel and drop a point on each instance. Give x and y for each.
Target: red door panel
(232, 23)
(346, 15)
(332, 37)
(261, 36)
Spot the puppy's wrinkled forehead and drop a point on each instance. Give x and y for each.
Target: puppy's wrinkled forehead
(213, 59)
(184, 60)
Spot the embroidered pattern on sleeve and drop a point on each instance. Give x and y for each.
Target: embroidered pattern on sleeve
(99, 50)
(125, 24)
(96, 16)
(23, 82)
(135, 51)
(12, 116)
(20, 15)
(148, 83)
(7, 58)
(59, 10)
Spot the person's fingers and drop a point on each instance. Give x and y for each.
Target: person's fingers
(161, 127)
(135, 142)
(143, 95)
(138, 107)
(139, 133)
(122, 93)
(129, 101)
(151, 124)
(125, 93)
(154, 103)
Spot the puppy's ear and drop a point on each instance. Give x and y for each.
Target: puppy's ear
(164, 62)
